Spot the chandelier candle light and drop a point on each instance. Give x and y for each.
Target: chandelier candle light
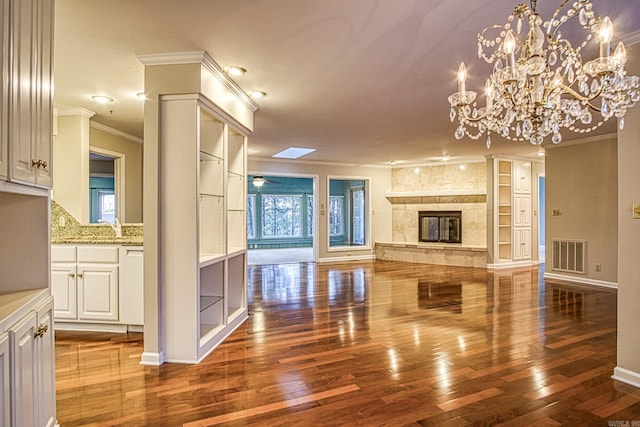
(536, 90)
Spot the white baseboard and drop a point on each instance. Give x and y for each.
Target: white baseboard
(626, 376)
(368, 257)
(152, 359)
(581, 280)
(512, 264)
(90, 327)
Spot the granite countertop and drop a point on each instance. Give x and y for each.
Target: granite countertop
(66, 229)
(99, 240)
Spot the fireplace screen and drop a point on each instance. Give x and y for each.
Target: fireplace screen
(440, 226)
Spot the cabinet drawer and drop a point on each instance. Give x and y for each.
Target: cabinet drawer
(106, 254)
(63, 253)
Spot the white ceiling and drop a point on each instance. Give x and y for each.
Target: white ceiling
(362, 81)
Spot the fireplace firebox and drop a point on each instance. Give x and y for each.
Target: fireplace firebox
(440, 226)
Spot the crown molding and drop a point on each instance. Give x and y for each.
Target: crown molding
(115, 132)
(76, 112)
(200, 57)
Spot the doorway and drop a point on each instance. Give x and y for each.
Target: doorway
(541, 219)
(281, 220)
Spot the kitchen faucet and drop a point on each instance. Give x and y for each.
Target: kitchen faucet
(117, 227)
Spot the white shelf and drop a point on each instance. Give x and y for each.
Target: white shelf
(208, 259)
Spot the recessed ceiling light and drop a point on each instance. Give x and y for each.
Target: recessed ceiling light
(539, 153)
(257, 94)
(462, 166)
(102, 99)
(234, 70)
(293, 153)
(445, 158)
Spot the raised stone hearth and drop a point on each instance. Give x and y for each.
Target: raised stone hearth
(432, 253)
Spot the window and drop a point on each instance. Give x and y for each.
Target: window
(281, 216)
(310, 201)
(336, 215)
(348, 218)
(251, 224)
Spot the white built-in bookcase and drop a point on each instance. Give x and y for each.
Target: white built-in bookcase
(203, 226)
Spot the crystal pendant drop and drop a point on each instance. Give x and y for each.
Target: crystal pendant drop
(489, 141)
(621, 123)
(452, 115)
(519, 26)
(553, 58)
(595, 86)
(584, 20)
(556, 138)
(459, 134)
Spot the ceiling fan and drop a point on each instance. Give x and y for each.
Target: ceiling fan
(259, 181)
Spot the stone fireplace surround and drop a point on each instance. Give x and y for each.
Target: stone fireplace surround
(431, 188)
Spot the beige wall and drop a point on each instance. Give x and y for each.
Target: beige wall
(71, 164)
(380, 182)
(447, 181)
(132, 152)
(581, 182)
(629, 240)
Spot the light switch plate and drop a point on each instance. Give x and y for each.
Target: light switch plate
(636, 211)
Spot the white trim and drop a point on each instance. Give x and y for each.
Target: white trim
(203, 58)
(512, 264)
(626, 376)
(314, 162)
(90, 327)
(119, 174)
(116, 132)
(76, 112)
(581, 280)
(369, 257)
(464, 192)
(152, 359)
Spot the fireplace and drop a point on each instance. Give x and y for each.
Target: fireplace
(440, 226)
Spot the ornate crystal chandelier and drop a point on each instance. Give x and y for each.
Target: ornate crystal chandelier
(539, 84)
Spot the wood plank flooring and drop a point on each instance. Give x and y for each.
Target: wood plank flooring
(373, 344)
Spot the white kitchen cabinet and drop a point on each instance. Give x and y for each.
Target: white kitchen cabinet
(97, 292)
(30, 108)
(64, 290)
(5, 378)
(98, 287)
(4, 88)
(32, 368)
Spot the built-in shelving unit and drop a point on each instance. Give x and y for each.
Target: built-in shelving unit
(504, 210)
(512, 212)
(204, 228)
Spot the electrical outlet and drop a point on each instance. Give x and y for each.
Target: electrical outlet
(598, 267)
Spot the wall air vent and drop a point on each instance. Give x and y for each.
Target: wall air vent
(569, 255)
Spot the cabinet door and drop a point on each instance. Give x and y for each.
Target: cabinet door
(97, 292)
(24, 371)
(522, 210)
(30, 108)
(4, 86)
(521, 177)
(5, 387)
(45, 350)
(522, 243)
(63, 288)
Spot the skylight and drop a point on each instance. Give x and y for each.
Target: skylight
(293, 153)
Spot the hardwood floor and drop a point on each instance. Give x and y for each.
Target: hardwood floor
(375, 343)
